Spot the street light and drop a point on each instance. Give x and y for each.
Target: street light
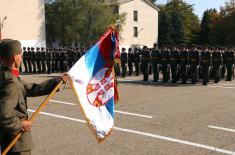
(1, 26)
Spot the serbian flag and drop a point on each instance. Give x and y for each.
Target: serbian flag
(94, 84)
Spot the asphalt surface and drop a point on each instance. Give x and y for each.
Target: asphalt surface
(150, 119)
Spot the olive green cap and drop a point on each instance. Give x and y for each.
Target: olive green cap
(9, 47)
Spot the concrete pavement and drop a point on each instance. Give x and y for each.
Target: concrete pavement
(151, 118)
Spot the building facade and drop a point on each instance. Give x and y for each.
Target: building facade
(23, 20)
(141, 24)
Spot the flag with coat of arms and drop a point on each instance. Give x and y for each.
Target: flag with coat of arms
(94, 84)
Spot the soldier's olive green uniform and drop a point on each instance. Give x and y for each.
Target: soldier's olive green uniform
(205, 63)
(229, 62)
(137, 61)
(145, 61)
(194, 63)
(174, 62)
(165, 60)
(49, 61)
(123, 63)
(38, 60)
(43, 61)
(29, 60)
(130, 56)
(216, 62)
(184, 59)
(25, 61)
(156, 61)
(13, 107)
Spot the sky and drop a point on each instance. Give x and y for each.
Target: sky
(201, 5)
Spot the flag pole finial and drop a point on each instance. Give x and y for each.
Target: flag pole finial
(117, 24)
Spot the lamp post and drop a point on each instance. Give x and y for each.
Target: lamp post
(1, 26)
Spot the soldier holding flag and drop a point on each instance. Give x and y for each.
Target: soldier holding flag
(13, 116)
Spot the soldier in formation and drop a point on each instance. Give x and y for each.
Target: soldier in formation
(123, 61)
(180, 63)
(49, 60)
(229, 62)
(137, 61)
(130, 60)
(176, 63)
(194, 64)
(156, 61)
(145, 62)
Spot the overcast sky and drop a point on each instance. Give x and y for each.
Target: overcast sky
(201, 5)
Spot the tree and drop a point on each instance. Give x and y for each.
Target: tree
(164, 26)
(177, 34)
(81, 21)
(217, 27)
(181, 25)
(208, 21)
(222, 30)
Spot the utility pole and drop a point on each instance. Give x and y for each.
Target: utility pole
(1, 26)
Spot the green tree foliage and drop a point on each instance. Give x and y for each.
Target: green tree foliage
(177, 31)
(164, 26)
(208, 21)
(181, 25)
(81, 21)
(218, 28)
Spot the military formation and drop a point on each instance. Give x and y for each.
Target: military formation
(185, 64)
(50, 60)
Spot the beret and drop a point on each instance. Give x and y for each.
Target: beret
(9, 47)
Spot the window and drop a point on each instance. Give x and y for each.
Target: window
(115, 9)
(136, 16)
(135, 32)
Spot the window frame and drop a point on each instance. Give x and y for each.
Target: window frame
(135, 33)
(135, 15)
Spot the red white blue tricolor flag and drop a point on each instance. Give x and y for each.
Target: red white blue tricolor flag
(94, 84)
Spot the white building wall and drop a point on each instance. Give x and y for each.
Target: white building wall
(25, 21)
(147, 24)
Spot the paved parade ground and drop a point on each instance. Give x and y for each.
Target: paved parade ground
(150, 119)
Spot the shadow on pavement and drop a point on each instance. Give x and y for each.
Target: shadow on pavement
(159, 84)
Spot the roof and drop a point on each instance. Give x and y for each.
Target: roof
(145, 1)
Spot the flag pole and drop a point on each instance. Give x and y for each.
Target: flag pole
(33, 117)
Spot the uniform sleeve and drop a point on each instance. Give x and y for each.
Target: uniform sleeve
(41, 89)
(8, 102)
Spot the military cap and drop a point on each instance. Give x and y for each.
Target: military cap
(9, 47)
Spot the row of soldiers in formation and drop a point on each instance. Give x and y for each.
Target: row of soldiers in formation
(178, 63)
(175, 63)
(50, 60)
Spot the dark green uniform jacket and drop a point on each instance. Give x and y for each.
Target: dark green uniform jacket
(13, 107)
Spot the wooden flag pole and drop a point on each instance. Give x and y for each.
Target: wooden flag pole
(33, 117)
(36, 113)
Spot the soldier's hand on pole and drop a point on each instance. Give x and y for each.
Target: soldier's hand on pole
(65, 77)
(26, 125)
